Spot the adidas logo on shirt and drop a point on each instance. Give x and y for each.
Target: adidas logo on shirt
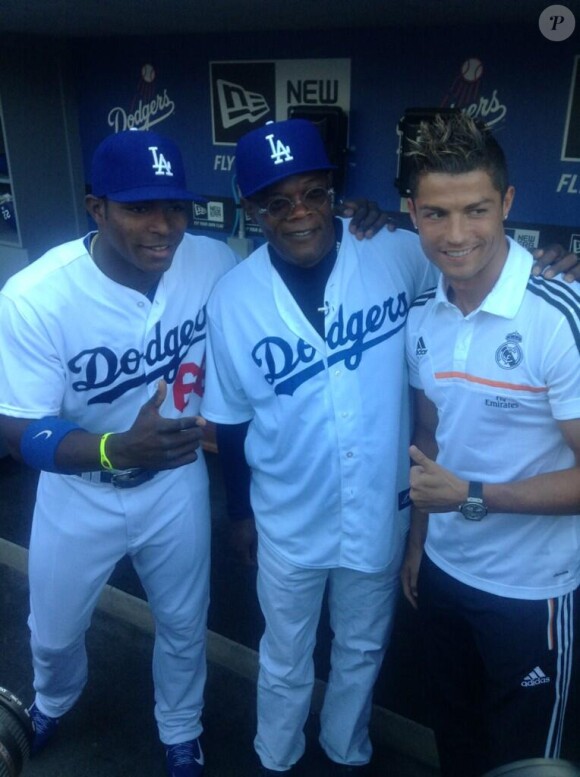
(535, 677)
(421, 349)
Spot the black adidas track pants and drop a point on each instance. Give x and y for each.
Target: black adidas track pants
(500, 671)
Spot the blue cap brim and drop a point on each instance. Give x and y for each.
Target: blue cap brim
(280, 176)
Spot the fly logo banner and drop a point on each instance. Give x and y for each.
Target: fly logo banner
(569, 181)
(245, 94)
(571, 147)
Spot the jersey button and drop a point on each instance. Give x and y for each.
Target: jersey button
(349, 455)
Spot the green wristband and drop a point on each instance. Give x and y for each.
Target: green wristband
(105, 461)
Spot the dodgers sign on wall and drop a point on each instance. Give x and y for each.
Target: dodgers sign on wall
(245, 95)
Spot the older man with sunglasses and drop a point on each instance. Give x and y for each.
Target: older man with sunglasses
(306, 368)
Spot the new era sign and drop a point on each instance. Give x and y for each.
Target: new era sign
(242, 95)
(245, 95)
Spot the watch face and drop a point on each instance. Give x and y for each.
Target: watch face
(473, 511)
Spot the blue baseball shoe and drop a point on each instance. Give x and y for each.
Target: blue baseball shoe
(44, 729)
(184, 759)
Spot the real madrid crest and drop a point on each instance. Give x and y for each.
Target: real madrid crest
(510, 354)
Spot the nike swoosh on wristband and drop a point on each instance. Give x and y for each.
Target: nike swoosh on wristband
(47, 433)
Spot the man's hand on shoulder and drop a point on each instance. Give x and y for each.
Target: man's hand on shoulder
(366, 217)
(553, 260)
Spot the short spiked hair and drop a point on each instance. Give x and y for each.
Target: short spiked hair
(456, 144)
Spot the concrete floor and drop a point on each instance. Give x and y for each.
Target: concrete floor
(111, 732)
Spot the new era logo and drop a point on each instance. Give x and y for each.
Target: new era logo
(535, 677)
(237, 104)
(421, 348)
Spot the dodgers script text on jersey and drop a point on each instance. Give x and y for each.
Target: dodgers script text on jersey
(162, 357)
(346, 340)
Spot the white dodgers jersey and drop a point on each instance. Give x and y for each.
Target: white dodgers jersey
(329, 430)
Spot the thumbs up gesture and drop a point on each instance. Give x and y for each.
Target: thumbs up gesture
(156, 442)
(434, 489)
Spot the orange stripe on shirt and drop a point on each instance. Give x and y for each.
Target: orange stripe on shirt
(487, 382)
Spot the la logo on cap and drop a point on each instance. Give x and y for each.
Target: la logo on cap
(280, 152)
(160, 164)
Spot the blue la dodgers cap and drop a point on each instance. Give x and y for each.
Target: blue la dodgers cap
(139, 165)
(277, 150)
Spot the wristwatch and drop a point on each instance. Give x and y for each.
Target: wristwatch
(474, 508)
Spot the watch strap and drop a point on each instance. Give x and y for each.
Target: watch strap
(475, 490)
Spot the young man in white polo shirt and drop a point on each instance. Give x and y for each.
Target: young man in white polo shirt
(495, 365)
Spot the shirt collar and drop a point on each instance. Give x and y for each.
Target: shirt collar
(506, 296)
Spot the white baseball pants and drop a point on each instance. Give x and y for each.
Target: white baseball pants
(361, 608)
(80, 530)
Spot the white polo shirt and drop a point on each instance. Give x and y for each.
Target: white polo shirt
(501, 377)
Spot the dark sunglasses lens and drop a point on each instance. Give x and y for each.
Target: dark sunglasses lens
(315, 198)
(279, 207)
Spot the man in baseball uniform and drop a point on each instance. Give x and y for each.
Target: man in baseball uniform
(494, 359)
(101, 367)
(306, 352)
